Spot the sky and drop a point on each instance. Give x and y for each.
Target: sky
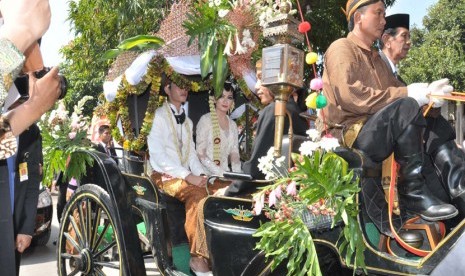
(59, 33)
(416, 8)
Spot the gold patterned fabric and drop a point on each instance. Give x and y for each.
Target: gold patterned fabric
(190, 195)
(8, 143)
(352, 6)
(201, 248)
(11, 62)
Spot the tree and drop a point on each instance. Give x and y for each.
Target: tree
(438, 50)
(328, 24)
(99, 25)
(328, 21)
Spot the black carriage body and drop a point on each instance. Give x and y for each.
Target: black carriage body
(106, 175)
(231, 244)
(229, 234)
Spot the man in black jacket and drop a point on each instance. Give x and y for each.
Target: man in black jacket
(264, 139)
(105, 144)
(29, 161)
(445, 164)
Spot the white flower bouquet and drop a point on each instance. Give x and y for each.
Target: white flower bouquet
(317, 193)
(64, 138)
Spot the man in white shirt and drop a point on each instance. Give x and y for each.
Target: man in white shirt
(444, 162)
(177, 170)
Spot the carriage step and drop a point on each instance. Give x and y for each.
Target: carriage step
(109, 233)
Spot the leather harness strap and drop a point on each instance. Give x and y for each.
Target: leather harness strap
(409, 248)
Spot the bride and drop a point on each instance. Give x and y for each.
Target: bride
(217, 136)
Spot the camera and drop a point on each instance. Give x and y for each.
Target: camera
(22, 83)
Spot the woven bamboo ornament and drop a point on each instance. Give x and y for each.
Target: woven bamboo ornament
(174, 35)
(171, 31)
(122, 62)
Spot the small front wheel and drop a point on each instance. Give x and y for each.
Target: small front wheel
(88, 243)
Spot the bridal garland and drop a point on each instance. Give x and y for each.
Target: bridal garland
(216, 133)
(119, 107)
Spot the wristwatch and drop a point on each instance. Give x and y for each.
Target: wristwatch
(8, 144)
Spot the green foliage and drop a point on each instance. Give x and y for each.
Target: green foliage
(100, 25)
(324, 184)
(281, 240)
(212, 32)
(438, 50)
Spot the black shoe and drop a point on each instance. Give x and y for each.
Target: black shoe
(437, 213)
(414, 195)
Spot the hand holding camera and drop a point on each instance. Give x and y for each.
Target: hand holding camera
(41, 89)
(34, 69)
(25, 21)
(43, 94)
(45, 90)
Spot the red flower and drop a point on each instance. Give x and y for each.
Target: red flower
(304, 27)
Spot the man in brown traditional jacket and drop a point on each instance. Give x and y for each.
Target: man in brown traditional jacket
(363, 93)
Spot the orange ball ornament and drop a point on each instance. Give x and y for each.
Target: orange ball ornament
(304, 27)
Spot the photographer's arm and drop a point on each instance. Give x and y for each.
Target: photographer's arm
(43, 94)
(25, 21)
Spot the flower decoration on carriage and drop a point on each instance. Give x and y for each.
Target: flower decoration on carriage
(228, 33)
(134, 74)
(64, 136)
(317, 194)
(151, 81)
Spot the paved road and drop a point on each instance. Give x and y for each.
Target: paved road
(41, 260)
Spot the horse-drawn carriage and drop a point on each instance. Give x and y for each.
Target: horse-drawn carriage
(118, 218)
(106, 213)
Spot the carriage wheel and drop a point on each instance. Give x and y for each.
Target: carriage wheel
(87, 242)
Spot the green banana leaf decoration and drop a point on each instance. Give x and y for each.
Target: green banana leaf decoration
(220, 70)
(141, 42)
(206, 60)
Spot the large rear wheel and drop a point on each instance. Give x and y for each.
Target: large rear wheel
(88, 242)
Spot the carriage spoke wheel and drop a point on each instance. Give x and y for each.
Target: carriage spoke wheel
(88, 243)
